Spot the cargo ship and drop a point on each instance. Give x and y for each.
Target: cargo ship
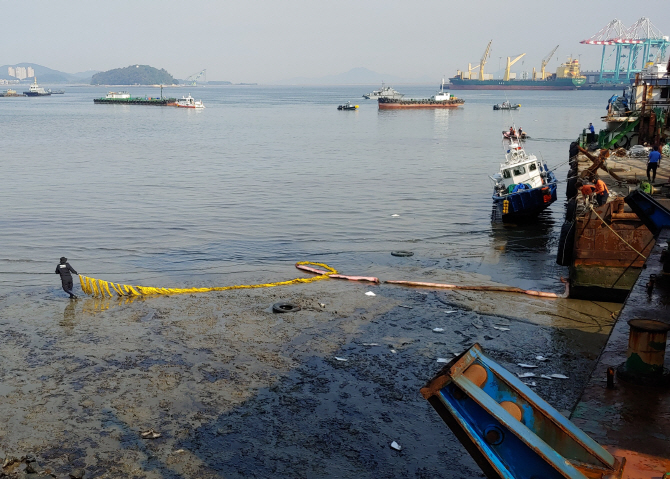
(441, 99)
(567, 76)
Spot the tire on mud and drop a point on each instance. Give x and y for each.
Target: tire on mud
(566, 244)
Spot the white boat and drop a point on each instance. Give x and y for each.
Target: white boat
(189, 102)
(36, 90)
(385, 92)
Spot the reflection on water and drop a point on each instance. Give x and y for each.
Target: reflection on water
(262, 178)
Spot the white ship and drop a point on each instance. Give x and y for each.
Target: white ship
(189, 102)
(36, 90)
(385, 92)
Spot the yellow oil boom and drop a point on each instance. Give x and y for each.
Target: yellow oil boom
(545, 61)
(509, 65)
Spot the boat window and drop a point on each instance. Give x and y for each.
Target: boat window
(506, 174)
(532, 167)
(519, 170)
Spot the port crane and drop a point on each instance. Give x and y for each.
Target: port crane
(482, 62)
(545, 61)
(509, 65)
(193, 79)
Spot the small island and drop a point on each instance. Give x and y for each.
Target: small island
(134, 75)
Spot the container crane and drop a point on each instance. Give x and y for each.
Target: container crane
(546, 60)
(509, 65)
(193, 79)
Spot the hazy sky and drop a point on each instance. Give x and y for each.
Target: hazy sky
(264, 41)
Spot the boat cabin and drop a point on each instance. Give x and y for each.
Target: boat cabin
(519, 167)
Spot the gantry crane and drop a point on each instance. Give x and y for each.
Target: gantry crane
(509, 65)
(543, 76)
(193, 79)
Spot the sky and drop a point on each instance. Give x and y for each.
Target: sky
(265, 41)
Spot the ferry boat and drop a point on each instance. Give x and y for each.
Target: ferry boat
(385, 92)
(523, 187)
(442, 99)
(36, 90)
(189, 102)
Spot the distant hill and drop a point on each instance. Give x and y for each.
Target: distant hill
(355, 76)
(134, 75)
(43, 74)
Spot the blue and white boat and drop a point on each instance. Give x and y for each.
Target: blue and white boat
(524, 186)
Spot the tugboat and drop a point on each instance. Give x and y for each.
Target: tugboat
(36, 90)
(523, 188)
(347, 106)
(506, 105)
(189, 102)
(385, 92)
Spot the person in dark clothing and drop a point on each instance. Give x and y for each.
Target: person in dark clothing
(652, 163)
(65, 270)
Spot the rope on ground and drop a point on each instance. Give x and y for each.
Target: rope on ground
(99, 288)
(617, 234)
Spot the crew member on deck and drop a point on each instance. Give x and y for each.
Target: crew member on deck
(592, 133)
(652, 163)
(602, 193)
(64, 269)
(587, 190)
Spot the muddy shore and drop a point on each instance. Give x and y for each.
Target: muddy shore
(234, 390)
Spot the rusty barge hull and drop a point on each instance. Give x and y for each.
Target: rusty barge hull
(604, 267)
(418, 105)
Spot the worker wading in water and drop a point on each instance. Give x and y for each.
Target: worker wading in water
(64, 269)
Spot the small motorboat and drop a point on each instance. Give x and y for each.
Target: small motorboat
(515, 135)
(523, 187)
(506, 106)
(189, 102)
(347, 106)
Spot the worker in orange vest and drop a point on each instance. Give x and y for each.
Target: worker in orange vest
(602, 192)
(587, 190)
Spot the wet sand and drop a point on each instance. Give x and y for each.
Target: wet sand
(237, 391)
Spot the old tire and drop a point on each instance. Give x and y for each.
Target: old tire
(566, 244)
(571, 188)
(571, 209)
(402, 253)
(285, 307)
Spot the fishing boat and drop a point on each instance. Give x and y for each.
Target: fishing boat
(189, 102)
(347, 106)
(523, 187)
(514, 135)
(506, 106)
(385, 92)
(36, 90)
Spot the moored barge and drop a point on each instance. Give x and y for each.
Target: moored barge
(124, 98)
(441, 99)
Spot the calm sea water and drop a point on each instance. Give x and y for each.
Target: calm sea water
(267, 176)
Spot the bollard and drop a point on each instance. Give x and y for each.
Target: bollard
(646, 354)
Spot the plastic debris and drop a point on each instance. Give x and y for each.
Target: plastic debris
(544, 376)
(442, 360)
(451, 311)
(531, 383)
(322, 305)
(370, 293)
(526, 375)
(396, 446)
(394, 215)
(527, 365)
(478, 326)
(341, 359)
(179, 451)
(500, 328)
(406, 307)
(541, 358)
(393, 351)
(150, 434)
(559, 376)
(438, 330)
(370, 344)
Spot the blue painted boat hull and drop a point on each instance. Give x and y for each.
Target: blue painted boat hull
(524, 204)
